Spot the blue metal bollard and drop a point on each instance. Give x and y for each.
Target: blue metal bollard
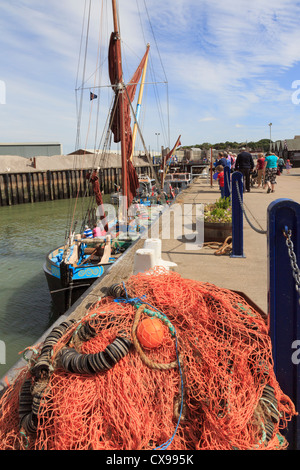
(283, 305)
(237, 215)
(227, 181)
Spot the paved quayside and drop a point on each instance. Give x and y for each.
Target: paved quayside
(247, 274)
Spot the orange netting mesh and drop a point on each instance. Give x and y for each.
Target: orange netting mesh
(210, 385)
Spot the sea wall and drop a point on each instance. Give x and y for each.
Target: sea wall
(46, 185)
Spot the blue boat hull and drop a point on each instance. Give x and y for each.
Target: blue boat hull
(68, 282)
(63, 297)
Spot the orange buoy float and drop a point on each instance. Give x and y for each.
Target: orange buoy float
(150, 332)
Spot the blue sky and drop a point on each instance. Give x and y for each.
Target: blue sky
(230, 68)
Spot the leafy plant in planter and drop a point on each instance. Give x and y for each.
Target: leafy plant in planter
(218, 212)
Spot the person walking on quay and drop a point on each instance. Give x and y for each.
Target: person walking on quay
(229, 160)
(233, 160)
(280, 164)
(220, 178)
(270, 170)
(288, 166)
(260, 168)
(244, 163)
(222, 160)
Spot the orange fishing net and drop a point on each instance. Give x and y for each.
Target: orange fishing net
(210, 385)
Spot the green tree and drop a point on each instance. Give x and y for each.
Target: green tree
(262, 144)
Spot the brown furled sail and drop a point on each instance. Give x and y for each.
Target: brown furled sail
(94, 179)
(115, 124)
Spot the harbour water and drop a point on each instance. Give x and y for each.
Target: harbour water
(27, 233)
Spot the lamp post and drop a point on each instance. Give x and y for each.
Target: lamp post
(270, 125)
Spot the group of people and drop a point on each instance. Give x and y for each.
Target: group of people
(267, 167)
(225, 159)
(97, 231)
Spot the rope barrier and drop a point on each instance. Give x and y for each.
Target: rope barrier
(228, 181)
(264, 232)
(243, 205)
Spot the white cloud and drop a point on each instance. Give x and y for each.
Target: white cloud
(208, 119)
(232, 61)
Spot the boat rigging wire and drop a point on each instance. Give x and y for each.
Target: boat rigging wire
(152, 71)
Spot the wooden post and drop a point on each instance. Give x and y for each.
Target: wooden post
(69, 186)
(50, 188)
(13, 186)
(40, 187)
(2, 191)
(45, 186)
(29, 185)
(24, 188)
(20, 196)
(55, 185)
(35, 187)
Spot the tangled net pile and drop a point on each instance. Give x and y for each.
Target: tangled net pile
(210, 385)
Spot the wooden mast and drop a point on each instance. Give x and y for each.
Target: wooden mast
(120, 88)
(139, 102)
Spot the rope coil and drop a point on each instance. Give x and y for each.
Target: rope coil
(221, 248)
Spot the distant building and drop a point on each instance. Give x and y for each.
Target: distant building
(288, 149)
(81, 152)
(29, 150)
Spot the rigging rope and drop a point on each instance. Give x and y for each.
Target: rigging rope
(165, 132)
(243, 205)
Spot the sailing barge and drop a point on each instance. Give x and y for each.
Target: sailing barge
(75, 265)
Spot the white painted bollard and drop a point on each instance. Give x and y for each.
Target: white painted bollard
(155, 245)
(144, 259)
